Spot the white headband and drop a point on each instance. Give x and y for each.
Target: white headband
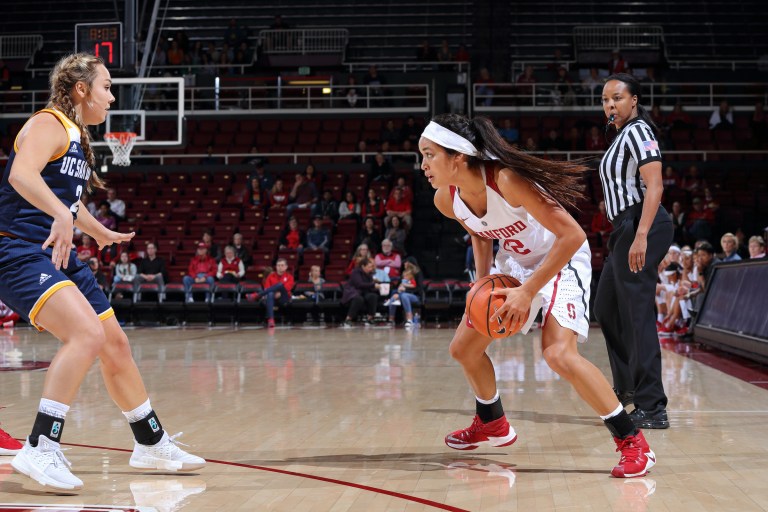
(452, 140)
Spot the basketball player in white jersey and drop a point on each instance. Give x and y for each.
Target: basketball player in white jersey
(497, 192)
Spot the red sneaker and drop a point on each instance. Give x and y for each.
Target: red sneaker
(665, 332)
(682, 332)
(495, 433)
(270, 323)
(8, 445)
(636, 456)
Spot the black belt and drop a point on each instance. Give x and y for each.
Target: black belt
(633, 211)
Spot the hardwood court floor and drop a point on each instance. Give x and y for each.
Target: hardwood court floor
(336, 420)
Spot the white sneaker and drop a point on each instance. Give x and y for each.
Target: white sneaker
(165, 455)
(46, 465)
(165, 495)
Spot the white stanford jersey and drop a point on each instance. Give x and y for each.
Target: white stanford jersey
(523, 245)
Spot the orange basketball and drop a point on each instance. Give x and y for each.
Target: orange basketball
(482, 306)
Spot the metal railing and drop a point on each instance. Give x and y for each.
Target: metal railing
(694, 96)
(304, 41)
(625, 37)
(227, 158)
(20, 46)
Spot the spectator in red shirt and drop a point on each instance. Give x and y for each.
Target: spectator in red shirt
(617, 64)
(700, 221)
(202, 269)
(277, 287)
(293, 237)
(361, 253)
(86, 250)
(398, 206)
(373, 206)
(601, 225)
(595, 140)
(388, 260)
(278, 197)
(405, 188)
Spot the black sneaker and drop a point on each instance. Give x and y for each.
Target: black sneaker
(625, 397)
(644, 419)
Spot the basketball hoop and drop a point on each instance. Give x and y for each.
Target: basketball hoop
(121, 144)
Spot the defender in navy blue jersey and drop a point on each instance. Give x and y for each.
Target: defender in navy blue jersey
(42, 279)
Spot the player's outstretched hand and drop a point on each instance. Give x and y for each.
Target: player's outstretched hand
(112, 237)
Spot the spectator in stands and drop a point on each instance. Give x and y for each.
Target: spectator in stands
(462, 55)
(369, 235)
(327, 207)
(116, 206)
(617, 64)
(194, 57)
(389, 133)
(398, 206)
(592, 87)
(426, 53)
(722, 118)
(410, 131)
(380, 170)
(315, 278)
(699, 221)
(231, 269)
(444, 53)
(89, 203)
(209, 159)
(373, 206)
(530, 145)
(360, 291)
(213, 248)
(312, 176)
(259, 172)
(526, 81)
(705, 256)
(756, 247)
(484, 90)
(349, 207)
(253, 198)
(362, 252)
(553, 141)
(241, 251)
(235, 34)
(563, 93)
(671, 180)
(595, 140)
(679, 119)
(278, 198)
(101, 279)
(362, 149)
(729, 243)
(405, 158)
(303, 195)
(175, 56)
(759, 126)
(679, 220)
(151, 268)
(318, 237)
(125, 270)
(396, 234)
(86, 250)
(509, 132)
(350, 93)
(374, 81)
(293, 237)
(104, 217)
(601, 225)
(693, 183)
(277, 289)
(202, 269)
(388, 260)
(408, 292)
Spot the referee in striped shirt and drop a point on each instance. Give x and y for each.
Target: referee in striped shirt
(630, 174)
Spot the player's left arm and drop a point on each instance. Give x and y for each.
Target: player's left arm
(569, 236)
(87, 223)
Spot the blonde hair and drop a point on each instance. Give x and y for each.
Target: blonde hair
(729, 236)
(73, 68)
(758, 240)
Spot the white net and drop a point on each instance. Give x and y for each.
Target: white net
(121, 144)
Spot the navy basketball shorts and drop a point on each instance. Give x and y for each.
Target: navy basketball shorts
(28, 279)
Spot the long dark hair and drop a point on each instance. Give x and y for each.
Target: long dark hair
(635, 90)
(560, 181)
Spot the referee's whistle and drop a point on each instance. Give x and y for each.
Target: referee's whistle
(611, 118)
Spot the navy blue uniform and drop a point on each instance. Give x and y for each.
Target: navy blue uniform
(27, 275)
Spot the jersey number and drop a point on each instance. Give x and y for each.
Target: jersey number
(76, 205)
(510, 244)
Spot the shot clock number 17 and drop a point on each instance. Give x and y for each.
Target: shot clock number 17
(103, 39)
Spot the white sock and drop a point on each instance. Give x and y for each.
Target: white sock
(660, 317)
(616, 412)
(138, 413)
(488, 402)
(53, 408)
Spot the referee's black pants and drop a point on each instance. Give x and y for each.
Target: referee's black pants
(625, 308)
